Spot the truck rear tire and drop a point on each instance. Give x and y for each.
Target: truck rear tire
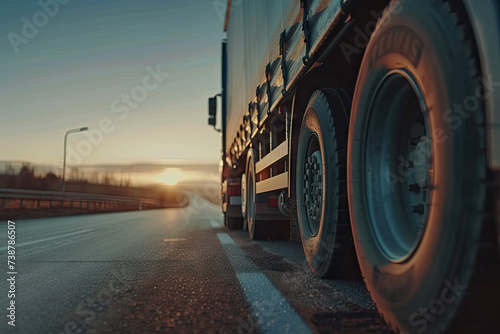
(244, 200)
(417, 170)
(321, 184)
(257, 229)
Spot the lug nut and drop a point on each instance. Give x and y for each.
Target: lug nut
(419, 209)
(415, 141)
(415, 188)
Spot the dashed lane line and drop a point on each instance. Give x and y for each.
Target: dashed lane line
(215, 223)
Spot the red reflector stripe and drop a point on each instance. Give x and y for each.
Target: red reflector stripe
(234, 191)
(273, 202)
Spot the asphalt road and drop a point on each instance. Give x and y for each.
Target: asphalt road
(170, 271)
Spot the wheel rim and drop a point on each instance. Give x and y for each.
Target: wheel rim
(313, 184)
(244, 204)
(250, 202)
(398, 168)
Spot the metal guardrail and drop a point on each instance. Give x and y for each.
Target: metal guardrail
(15, 199)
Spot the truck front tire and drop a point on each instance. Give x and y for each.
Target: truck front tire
(417, 167)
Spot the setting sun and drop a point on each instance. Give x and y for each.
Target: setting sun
(171, 176)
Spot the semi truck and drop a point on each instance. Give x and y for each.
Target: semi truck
(369, 131)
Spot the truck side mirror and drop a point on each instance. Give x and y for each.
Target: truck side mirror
(212, 111)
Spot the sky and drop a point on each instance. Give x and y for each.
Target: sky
(137, 73)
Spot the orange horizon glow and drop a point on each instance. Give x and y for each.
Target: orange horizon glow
(171, 176)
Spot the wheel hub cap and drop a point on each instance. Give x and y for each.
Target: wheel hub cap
(313, 185)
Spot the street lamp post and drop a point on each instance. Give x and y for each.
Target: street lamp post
(64, 160)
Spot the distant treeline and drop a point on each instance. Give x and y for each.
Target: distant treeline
(43, 176)
(26, 178)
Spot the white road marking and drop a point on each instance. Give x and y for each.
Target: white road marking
(17, 245)
(215, 223)
(174, 239)
(269, 307)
